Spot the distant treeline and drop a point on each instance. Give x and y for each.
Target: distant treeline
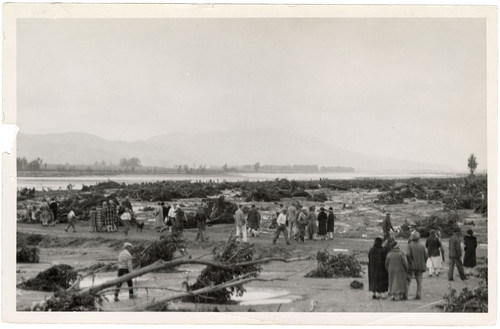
(133, 165)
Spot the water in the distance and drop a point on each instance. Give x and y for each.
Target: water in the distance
(55, 183)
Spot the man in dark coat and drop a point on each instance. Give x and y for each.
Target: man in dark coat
(455, 255)
(330, 225)
(470, 245)
(386, 226)
(417, 259)
(253, 221)
(53, 208)
(378, 278)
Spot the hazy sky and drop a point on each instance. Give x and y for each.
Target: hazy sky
(409, 88)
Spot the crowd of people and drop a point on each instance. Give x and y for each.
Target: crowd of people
(391, 271)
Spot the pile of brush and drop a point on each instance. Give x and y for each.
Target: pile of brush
(335, 266)
(27, 250)
(161, 249)
(64, 301)
(232, 252)
(53, 279)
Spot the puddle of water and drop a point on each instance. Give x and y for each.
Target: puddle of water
(89, 282)
(344, 250)
(262, 297)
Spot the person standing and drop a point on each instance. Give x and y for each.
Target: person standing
(322, 223)
(330, 224)
(387, 226)
(201, 219)
(45, 213)
(71, 221)
(291, 217)
(158, 217)
(417, 258)
(171, 216)
(165, 212)
(378, 278)
(435, 252)
(455, 254)
(397, 266)
(126, 217)
(53, 208)
(125, 267)
(180, 218)
(106, 218)
(240, 221)
(253, 221)
(470, 245)
(312, 227)
(127, 204)
(281, 221)
(302, 224)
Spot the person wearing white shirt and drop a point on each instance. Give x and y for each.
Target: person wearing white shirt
(281, 227)
(125, 267)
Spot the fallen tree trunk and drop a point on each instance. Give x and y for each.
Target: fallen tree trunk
(163, 265)
(154, 304)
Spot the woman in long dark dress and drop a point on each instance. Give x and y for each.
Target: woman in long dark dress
(378, 278)
(322, 219)
(470, 245)
(330, 224)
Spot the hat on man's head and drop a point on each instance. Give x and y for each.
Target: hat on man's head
(128, 245)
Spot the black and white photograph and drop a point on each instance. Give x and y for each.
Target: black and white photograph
(332, 161)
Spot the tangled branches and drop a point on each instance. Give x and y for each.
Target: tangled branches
(53, 279)
(231, 253)
(335, 266)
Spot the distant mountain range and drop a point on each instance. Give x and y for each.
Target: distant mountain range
(215, 148)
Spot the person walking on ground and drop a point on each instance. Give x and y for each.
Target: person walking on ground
(397, 266)
(470, 245)
(240, 220)
(435, 252)
(92, 220)
(71, 221)
(281, 221)
(417, 258)
(125, 267)
(302, 224)
(201, 219)
(53, 208)
(158, 213)
(253, 221)
(291, 217)
(126, 217)
(330, 224)
(455, 254)
(312, 227)
(378, 278)
(387, 226)
(322, 223)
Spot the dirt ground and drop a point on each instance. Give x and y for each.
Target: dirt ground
(355, 230)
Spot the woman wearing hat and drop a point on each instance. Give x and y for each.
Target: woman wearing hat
(330, 225)
(470, 245)
(322, 219)
(378, 278)
(397, 267)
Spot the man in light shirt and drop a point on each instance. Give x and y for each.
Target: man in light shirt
(240, 219)
(125, 267)
(171, 216)
(281, 227)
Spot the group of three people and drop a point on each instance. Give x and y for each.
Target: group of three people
(391, 270)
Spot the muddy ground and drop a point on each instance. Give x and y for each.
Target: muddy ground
(355, 230)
